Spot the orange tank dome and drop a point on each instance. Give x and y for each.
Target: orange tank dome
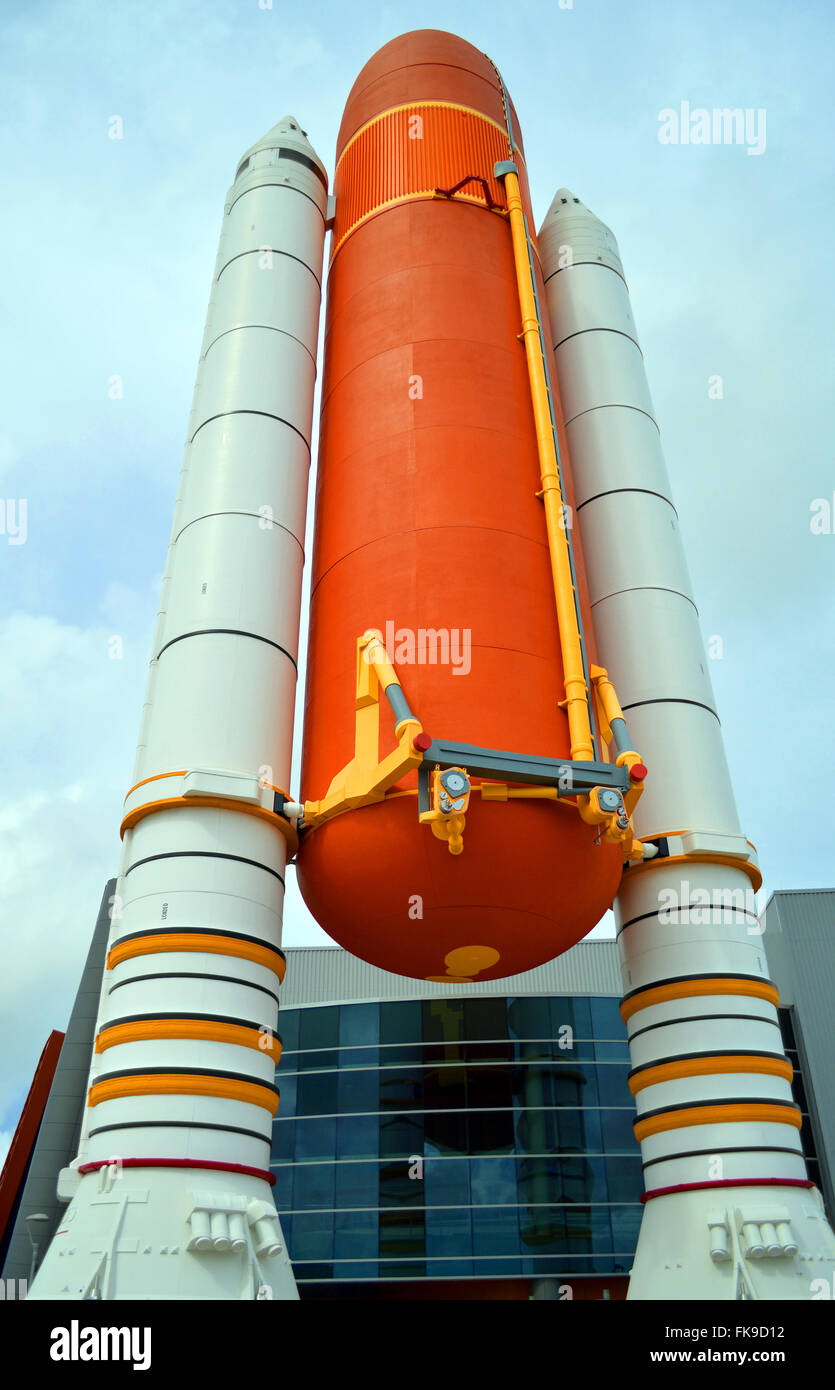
(424, 65)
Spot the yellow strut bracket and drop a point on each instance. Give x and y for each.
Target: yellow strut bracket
(366, 778)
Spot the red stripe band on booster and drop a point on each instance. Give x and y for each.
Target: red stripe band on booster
(726, 1182)
(263, 1173)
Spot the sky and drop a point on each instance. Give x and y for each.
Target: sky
(108, 249)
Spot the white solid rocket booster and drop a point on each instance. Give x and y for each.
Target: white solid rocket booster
(729, 1209)
(170, 1193)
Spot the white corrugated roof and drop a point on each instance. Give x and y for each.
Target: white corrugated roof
(329, 975)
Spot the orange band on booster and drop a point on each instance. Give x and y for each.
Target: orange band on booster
(118, 1087)
(148, 1030)
(717, 1115)
(709, 1066)
(690, 989)
(212, 945)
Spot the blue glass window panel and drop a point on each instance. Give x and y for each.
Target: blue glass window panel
(554, 1267)
(316, 1093)
(446, 1181)
(357, 1091)
(401, 1088)
(583, 1179)
(495, 1230)
(555, 1179)
(624, 1178)
(356, 1270)
(556, 1084)
(448, 1234)
(486, 1019)
(401, 1136)
(446, 1268)
(402, 1232)
(400, 1028)
(491, 1132)
(313, 1272)
(583, 1075)
(485, 1268)
(443, 1023)
(283, 1190)
(356, 1235)
(357, 1136)
(493, 1180)
(287, 1088)
(625, 1225)
(398, 1188)
(316, 1138)
(313, 1186)
(576, 1015)
(618, 1134)
(446, 1131)
(318, 1030)
(445, 1088)
(313, 1235)
(542, 1229)
(530, 1018)
(558, 1131)
(359, 1024)
(489, 1088)
(613, 1085)
(357, 1185)
(443, 1056)
(612, 1051)
(590, 1132)
(284, 1139)
(319, 1026)
(288, 1027)
(601, 1232)
(574, 1178)
(321, 1059)
(579, 1229)
(606, 1019)
(403, 1269)
(360, 1057)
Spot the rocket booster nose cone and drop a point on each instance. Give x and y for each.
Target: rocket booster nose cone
(287, 135)
(565, 201)
(286, 125)
(571, 234)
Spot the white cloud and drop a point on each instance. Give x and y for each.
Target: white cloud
(70, 717)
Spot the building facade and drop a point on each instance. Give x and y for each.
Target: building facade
(466, 1141)
(478, 1137)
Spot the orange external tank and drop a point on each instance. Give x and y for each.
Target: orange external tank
(428, 527)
